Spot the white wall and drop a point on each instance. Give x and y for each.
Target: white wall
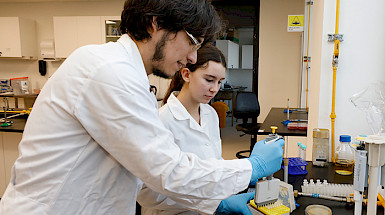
(42, 13)
(280, 59)
(362, 55)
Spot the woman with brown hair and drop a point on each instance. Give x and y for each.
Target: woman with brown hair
(192, 120)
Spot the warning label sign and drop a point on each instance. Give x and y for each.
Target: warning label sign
(295, 23)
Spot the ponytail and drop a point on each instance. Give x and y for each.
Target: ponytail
(175, 85)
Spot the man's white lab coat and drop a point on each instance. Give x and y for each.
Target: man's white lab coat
(94, 135)
(203, 140)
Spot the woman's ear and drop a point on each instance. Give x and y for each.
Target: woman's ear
(185, 73)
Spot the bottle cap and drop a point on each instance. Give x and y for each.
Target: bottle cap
(345, 138)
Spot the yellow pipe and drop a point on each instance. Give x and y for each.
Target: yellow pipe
(18, 111)
(333, 114)
(337, 15)
(335, 64)
(307, 61)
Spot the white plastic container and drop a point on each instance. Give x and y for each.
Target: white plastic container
(21, 86)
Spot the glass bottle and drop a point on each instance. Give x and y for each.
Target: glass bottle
(344, 156)
(320, 147)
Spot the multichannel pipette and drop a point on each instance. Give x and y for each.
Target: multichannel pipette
(267, 189)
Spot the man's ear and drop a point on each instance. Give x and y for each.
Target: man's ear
(185, 73)
(154, 26)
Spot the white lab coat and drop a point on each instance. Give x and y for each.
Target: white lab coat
(94, 135)
(203, 140)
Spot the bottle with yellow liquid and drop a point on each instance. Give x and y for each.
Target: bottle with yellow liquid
(344, 156)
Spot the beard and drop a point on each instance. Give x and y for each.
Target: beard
(158, 57)
(160, 73)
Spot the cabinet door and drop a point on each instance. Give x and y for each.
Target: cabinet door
(233, 58)
(247, 57)
(11, 142)
(72, 32)
(65, 33)
(88, 30)
(231, 52)
(10, 37)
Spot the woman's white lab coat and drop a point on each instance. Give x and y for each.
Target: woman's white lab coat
(94, 135)
(203, 140)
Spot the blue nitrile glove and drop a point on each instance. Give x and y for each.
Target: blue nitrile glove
(236, 204)
(266, 159)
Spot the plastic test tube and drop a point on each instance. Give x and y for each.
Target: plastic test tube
(303, 155)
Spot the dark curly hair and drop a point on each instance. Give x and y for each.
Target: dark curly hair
(198, 17)
(205, 54)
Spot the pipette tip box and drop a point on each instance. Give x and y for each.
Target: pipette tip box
(297, 166)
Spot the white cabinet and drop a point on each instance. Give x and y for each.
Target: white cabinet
(231, 52)
(9, 143)
(17, 38)
(110, 28)
(247, 57)
(72, 32)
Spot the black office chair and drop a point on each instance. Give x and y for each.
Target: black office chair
(245, 107)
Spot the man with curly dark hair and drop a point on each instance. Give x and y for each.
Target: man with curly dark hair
(94, 135)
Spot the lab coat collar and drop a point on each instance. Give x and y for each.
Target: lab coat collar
(133, 50)
(180, 113)
(129, 45)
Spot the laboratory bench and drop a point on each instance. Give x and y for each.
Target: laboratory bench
(328, 173)
(17, 125)
(10, 138)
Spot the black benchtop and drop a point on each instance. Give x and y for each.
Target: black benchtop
(328, 173)
(17, 126)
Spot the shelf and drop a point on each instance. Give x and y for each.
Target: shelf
(240, 69)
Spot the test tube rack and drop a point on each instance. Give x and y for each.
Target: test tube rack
(327, 189)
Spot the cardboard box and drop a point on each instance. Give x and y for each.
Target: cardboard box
(232, 35)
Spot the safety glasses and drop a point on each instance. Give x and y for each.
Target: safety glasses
(194, 42)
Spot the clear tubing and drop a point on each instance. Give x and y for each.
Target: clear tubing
(373, 189)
